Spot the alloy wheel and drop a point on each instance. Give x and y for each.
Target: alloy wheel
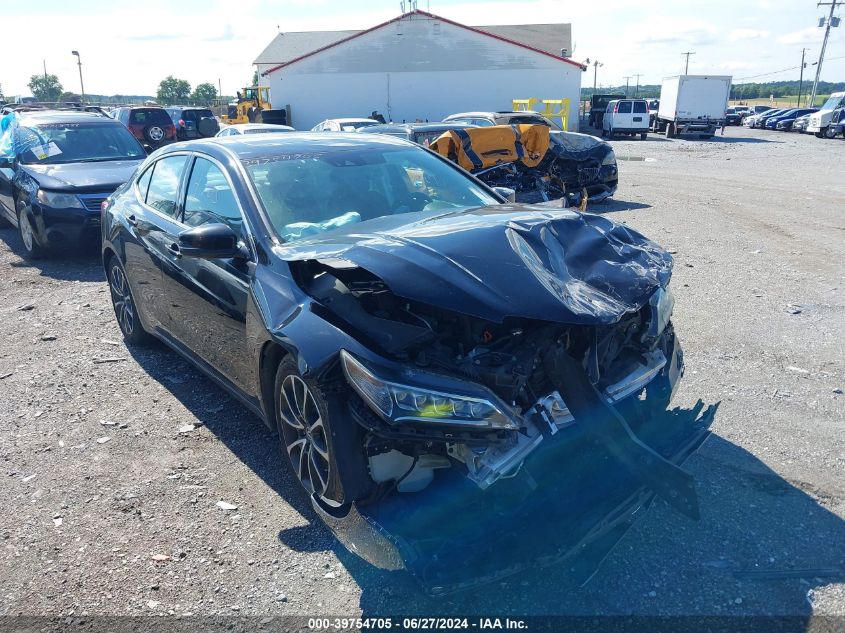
(156, 133)
(26, 231)
(304, 436)
(124, 309)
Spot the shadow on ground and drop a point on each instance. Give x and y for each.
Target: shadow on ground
(65, 265)
(753, 521)
(612, 205)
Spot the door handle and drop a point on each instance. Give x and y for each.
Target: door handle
(132, 220)
(174, 249)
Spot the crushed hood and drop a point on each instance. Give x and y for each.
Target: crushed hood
(502, 261)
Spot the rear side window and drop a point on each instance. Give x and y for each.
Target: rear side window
(624, 107)
(163, 192)
(150, 116)
(640, 107)
(144, 182)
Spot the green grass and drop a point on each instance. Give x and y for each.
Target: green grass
(782, 102)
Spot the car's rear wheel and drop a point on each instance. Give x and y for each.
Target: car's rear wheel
(643, 136)
(123, 302)
(318, 439)
(26, 229)
(154, 134)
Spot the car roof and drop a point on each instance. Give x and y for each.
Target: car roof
(63, 116)
(251, 146)
(416, 127)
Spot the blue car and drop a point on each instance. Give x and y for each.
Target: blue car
(760, 122)
(784, 122)
(56, 170)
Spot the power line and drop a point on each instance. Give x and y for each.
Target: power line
(783, 70)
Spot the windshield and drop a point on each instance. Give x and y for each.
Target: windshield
(833, 102)
(57, 143)
(533, 119)
(354, 125)
(305, 194)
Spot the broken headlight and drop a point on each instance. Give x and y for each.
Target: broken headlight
(396, 402)
(662, 303)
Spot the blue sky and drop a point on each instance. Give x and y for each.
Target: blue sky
(128, 47)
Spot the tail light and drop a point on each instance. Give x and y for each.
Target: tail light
(172, 129)
(181, 122)
(616, 109)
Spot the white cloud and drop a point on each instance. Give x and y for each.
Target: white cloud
(810, 35)
(747, 34)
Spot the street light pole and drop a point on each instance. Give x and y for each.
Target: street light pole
(81, 85)
(638, 75)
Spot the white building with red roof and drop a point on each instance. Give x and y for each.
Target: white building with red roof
(418, 66)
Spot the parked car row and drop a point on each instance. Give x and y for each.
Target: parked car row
(827, 121)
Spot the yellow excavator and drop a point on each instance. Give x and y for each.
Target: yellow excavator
(253, 106)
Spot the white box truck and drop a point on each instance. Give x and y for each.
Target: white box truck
(692, 104)
(820, 122)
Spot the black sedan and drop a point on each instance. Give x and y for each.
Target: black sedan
(56, 170)
(442, 368)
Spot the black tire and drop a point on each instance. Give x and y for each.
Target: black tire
(27, 232)
(208, 126)
(643, 136)
(820, 134)
(123, 302)
(830, 132)
(327, 459)
(154, 133)
(670, 130)
(611, 134)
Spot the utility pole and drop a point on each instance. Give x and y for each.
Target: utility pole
(81, 85)
(637, 75)
(832, 4)
(45, 69)
(595, 65)
(688, 53)
(627, 78)
(801, 79)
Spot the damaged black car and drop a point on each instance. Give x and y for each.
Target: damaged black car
(463, 386)
(540, 165)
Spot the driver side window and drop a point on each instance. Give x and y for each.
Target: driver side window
(210, 198)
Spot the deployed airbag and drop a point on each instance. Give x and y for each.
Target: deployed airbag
(479, 148)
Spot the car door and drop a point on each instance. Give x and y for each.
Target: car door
(207, 298)
(639, 118)
(150, 224)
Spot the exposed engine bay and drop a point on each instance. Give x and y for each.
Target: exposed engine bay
(510, 359)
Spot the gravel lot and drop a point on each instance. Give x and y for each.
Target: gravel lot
(114, 460)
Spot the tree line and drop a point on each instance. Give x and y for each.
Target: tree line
(49, 89)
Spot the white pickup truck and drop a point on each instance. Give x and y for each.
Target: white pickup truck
(820, 121)
(692, 104)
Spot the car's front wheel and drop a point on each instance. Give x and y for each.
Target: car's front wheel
(26, 229)
(125, 309)
(318, 439)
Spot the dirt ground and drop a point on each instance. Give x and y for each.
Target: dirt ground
(114, 460)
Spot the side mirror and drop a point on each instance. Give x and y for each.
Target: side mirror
(210, 241)
(506, 192)
(6, 162)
